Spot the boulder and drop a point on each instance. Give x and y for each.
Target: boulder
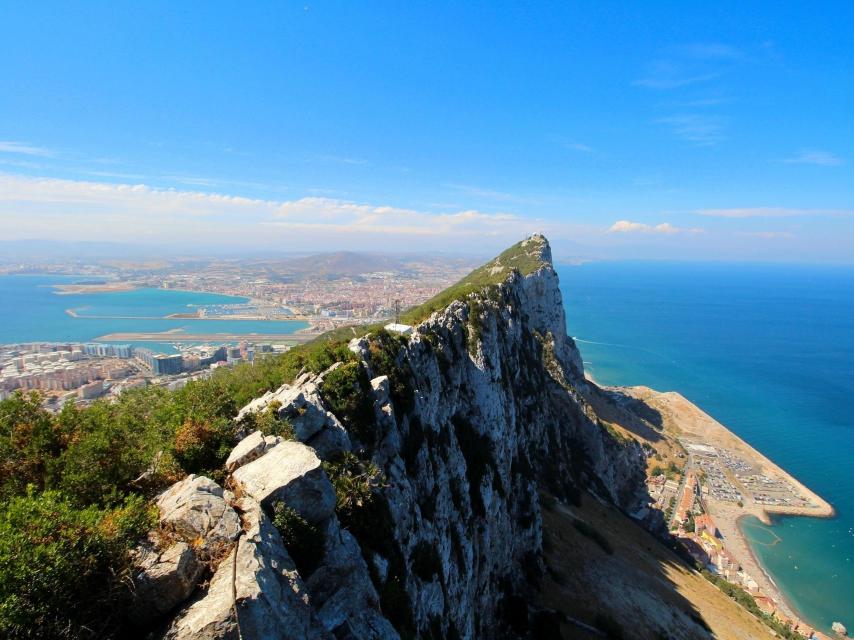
(289, 472)
(250, 448)
(303, 409)
(164, 580)
(196, 510)
(332, 441)
(258, 581)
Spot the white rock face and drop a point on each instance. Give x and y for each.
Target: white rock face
(250, 448)
(484, 409)
(289, 472)
(342, 594)
(271, 598)
(163, 580)
(194, 508)
(302, 405)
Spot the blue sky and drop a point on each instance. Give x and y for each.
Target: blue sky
(648, 130)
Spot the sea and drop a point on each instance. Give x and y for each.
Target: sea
(767, 350)
(32, 311)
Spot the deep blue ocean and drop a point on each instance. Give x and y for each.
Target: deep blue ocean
(768, 350)
(30, 311)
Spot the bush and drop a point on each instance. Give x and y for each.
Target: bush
(354, 481)
(202, 446)
(303, 540)
(61, 567)
(347, 391)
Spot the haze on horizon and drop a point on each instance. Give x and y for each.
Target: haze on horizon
(719, 132)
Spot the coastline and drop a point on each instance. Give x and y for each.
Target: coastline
(684, 419)
(781, 596)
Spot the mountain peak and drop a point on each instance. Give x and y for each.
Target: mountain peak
(525, 257)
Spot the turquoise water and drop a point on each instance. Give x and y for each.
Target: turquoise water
(32, 311)
(769, 352)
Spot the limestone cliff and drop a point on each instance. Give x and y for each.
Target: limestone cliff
(468, 422)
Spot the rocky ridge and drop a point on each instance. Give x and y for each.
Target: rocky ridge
(468, 420)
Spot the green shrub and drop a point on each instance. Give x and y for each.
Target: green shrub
(354, 481)
(201, 446)
(303, 540)
(61, 567)
(268, 422)
(347, 391)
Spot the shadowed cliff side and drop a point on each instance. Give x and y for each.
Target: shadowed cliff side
(405, 497)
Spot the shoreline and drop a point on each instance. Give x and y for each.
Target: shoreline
(784, 599)
(684, 419)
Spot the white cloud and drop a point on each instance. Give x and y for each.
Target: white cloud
(10, 146)
(709, 51)
(578, 146)
(773, 212)
(769, 235)
(74, 210)
(338, 159)
(352, 217)
(665, 228)
(670, 74)
(813, 156)
(699, 129)
(489, 194)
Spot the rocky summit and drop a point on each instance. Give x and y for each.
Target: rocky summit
(405, 501)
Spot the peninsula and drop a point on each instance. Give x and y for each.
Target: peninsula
(704, 478)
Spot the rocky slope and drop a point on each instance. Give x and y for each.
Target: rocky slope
(457, 431)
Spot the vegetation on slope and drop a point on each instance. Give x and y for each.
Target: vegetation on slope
(524, 257)
(74, 485)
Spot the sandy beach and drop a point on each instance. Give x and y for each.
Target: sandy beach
(684, 420)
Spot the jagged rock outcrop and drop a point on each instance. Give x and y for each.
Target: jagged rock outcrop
(195, 509)
(252, 447)
(256, 591)
(469, 419)
(164, 579)
(291, 473)
(301, 404)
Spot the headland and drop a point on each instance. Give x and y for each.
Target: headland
(714, 479)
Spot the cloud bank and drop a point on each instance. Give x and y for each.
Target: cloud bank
(59, 209)
(665, 228)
